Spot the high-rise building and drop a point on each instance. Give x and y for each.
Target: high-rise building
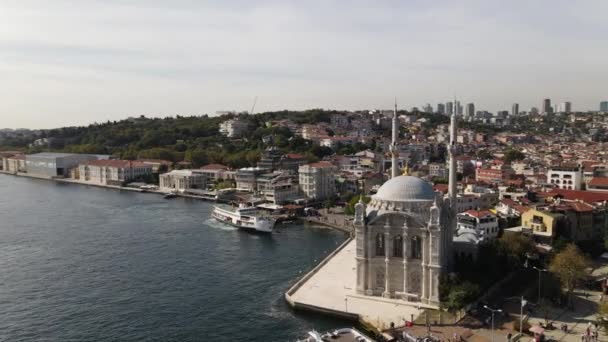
(457, 108)
(564, 107)
(533, 110)
(470, 110)
(427, 108)
(440, 108)
(604, 106)
(546, 107)
(449, 108)
(515, 109)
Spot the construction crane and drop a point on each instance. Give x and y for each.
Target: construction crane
(255, 100)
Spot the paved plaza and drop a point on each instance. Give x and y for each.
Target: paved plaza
(333, 287)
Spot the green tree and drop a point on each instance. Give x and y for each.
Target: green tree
(350, 206)
(570, 266)
(512, 155)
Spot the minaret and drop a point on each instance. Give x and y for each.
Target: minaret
(452, 164)
(394, 148)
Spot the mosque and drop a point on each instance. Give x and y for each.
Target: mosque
(404, 236)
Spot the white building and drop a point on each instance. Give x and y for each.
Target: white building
(565, 177)
(112, 172)
(14, 163)
(473, 228)
(317, 180)
(403, 241)
(233, 128)
(246, 178)
(182, 180)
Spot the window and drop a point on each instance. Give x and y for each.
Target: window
(416, 248)
(398, 246)
(380, 244)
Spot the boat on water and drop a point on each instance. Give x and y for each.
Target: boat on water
(169, 196)
(244, 217)
(338, 335)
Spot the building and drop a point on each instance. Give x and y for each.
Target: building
(515, 109)
(112, 172)
(604, 106)
(470, 112)
(564, 107)
(598, 184)
(317, 180)
(14, 163)
(270, 158)
(474, 227)
(496, 175)
(234, 128)
(182, 180)
(50, 165)
(542, 225)
(276, 187)
(567, 177)
(546, 107)
(158, 165)
(246, 178)
(401, 242)
(438, 170)
(449, 108)
(440, 108)
(216, 172)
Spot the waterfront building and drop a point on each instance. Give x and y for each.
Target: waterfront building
(565, 176)
(182, 180)
(51, 165)
(14, 163)
(216, 172)
(317, 180)
(246, 178)
(404, 235)
(276, 187)
(112, 172)
(158, 165)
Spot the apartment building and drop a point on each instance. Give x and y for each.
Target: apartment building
(317, 180)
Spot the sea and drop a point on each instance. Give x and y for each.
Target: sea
(83, 263)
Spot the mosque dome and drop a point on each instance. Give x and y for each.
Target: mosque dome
(405, 189)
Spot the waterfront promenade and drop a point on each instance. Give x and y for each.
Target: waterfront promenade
(330, 288)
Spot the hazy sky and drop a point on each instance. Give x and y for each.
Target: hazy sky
(77, 62)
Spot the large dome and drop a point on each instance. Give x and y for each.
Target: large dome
(405, 189)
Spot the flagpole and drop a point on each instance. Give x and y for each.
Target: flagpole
(521, 317)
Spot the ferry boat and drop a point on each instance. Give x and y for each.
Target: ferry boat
(339, 335)
(244, 217)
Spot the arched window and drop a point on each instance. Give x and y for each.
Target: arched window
(416, 248)
(380, 244)
(398, 247)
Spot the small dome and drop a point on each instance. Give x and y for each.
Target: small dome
(406, 189)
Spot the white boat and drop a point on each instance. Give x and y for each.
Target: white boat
(339, 335)
(244, 217)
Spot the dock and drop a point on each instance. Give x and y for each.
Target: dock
(330, 288)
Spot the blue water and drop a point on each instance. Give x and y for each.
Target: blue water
(81, 263)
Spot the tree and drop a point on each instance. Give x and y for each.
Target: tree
(517, 247)
(570, 266)
(350, 206)
(513, 155)
(602, 315)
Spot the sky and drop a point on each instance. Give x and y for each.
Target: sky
(66, 62)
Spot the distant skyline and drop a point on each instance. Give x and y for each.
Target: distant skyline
(65, 63)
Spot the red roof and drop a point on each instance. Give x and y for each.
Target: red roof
(17, 157)
(599, 181)
(585, 196)
(214, 167)
(441, 188)
(321, 164)
(116, 163)
(294, 156)
(478, 213)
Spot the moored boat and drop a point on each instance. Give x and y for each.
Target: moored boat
(339, 335)
(243, 217)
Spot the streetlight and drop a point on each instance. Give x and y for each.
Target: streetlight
(540, 271)
(493, 311)
(346, 304)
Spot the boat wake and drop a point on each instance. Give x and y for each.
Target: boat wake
(213, 223)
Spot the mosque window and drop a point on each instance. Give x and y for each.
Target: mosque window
(380, 244)
(398, 247)
(416, 248)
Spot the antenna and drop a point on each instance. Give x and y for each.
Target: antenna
(255, 100)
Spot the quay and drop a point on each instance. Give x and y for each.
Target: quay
(330, 288)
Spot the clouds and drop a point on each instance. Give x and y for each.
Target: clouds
(78, 62)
